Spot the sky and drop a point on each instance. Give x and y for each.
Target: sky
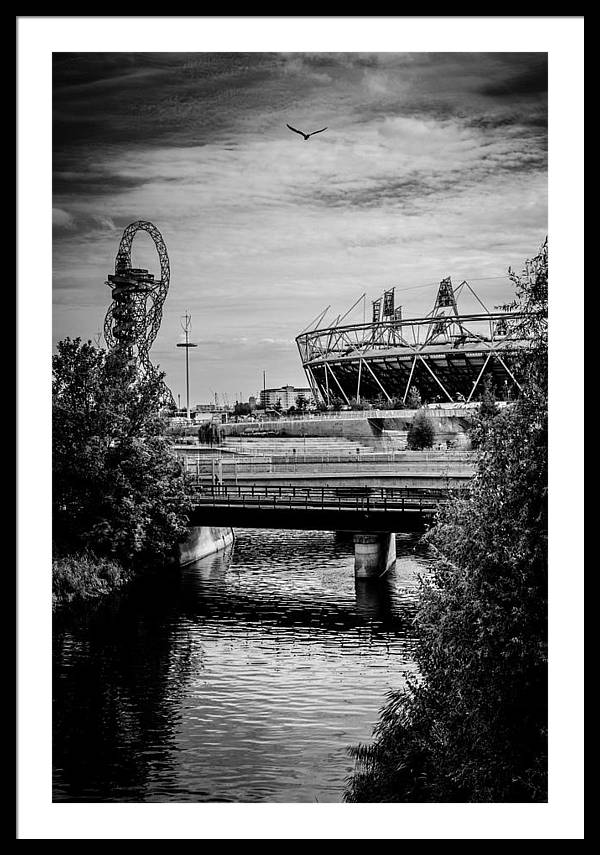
(432, 165)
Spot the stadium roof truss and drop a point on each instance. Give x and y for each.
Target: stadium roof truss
(445, 354)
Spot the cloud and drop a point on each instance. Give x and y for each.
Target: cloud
(95, 182)
(80, 221)
(62, 219)
(533, 79)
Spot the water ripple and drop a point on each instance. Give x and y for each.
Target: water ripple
(243, 677)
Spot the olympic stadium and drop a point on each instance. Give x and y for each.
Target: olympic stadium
(446, 354)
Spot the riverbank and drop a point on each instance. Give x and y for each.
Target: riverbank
(83, 576)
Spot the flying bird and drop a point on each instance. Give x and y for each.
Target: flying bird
(306, 136)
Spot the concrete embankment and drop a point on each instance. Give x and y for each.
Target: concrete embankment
(353, 429)
(202, 541)
(449, 426)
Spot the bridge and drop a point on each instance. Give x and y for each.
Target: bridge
(316, 508)
(373, 515)
(327, 484)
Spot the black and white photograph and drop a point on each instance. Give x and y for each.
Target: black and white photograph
(294, 356)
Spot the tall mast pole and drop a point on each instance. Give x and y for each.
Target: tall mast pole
(187, 373)
(186, 327)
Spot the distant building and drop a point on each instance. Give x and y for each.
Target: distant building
(205, 408)
(284, 396)
(252, 402)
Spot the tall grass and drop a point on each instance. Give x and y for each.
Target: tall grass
(85, 576)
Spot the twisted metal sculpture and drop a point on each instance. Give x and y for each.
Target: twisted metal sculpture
(134, 316)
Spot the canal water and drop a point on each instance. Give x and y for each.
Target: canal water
(243, 677)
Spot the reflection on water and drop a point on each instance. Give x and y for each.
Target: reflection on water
(243, 677)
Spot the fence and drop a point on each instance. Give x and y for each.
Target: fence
(361, 458)
(231, 468)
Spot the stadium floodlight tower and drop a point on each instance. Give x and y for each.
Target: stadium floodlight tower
(134, 316)
(186, 326)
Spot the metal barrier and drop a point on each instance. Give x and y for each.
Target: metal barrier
(363, 457)
(342, 498)
(217, 468)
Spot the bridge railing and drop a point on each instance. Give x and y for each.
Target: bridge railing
(341, 498)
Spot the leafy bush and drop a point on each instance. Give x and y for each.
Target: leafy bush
(84, 576)
(413, 399)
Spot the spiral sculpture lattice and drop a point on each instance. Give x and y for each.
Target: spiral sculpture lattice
(134, 316)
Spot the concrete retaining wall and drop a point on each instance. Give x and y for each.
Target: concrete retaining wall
(202, 541)
(354, 429)
(449, 426)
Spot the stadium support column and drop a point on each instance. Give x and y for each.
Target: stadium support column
(410, 376)
(338, 383)
(509, 372)
(374, 554)
(444, 390)
(377, 381)
(479, 376)
(312, 383)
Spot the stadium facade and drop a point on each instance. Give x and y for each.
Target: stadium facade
(446, 354)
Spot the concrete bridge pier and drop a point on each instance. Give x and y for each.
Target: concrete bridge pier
(374, 553)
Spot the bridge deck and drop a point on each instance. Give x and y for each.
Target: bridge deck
(320, 508)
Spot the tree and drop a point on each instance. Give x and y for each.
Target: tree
(241, 408)
(413, 399)
(357, 405)
(118, 489)
(488, 407)
(381, 403)
(209, 433)
(473, 726)
(301, 403)
(335, 402)
(420, 433)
